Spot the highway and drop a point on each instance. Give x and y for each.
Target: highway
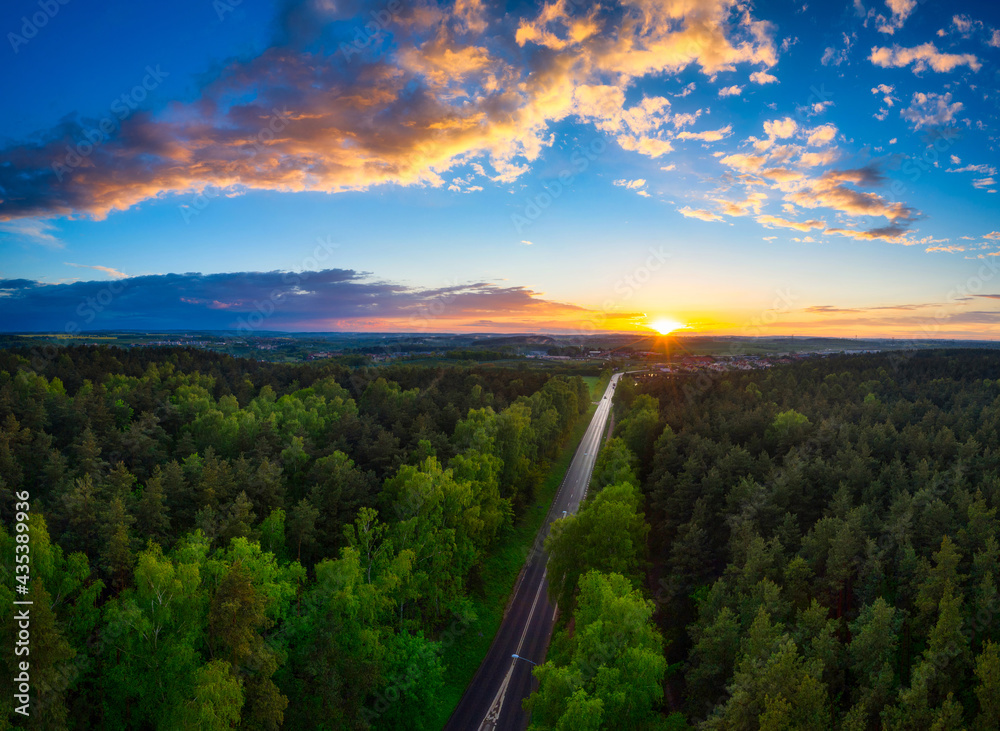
(493, 699)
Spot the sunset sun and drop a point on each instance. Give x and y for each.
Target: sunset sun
(665, 326)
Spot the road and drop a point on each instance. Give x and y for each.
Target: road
(493, 699)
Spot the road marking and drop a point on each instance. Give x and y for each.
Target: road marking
(493, 715)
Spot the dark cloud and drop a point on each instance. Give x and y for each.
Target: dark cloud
(332, 299)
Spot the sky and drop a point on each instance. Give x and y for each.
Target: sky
(710, 166)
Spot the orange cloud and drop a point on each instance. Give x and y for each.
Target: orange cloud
(829, 191)
(922, 57)
(778, 222)
(700, 213)
(450, 89)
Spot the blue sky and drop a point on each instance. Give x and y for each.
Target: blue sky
(750, 169)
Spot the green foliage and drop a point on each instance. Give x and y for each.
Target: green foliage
(787, 429)
(608, 534)
(613, 672)
(615, 463)
(238, 544)
(826, 534)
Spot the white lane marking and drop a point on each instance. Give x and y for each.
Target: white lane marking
(493, 715)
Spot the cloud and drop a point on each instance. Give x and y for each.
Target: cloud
(686, 118)
(922, 57)
(33, 230)
(888, 100)
(730, 91)
(743, 162)
(113, 273)
(636, 185)
(892, 233)
(900, 10)
(968, 27)
(811, 110)
(814, 159)
(781, 175)
(750, 204)
(778, 222)
(700, 213)
(951, 249)
(527, 243)
(833, 57)
(931, 110)
(830, 191)
(981, 169)
(333, 299)
(781, 127)
(451, 84)
(710, 135)
(630, 184)
(825, 309)
(762, 77)
(822, 135)
(869, 175)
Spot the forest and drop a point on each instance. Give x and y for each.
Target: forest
(222, 543)
(806, 547)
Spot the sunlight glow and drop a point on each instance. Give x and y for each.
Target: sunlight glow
(665, 326)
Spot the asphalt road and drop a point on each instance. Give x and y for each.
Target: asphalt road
(493, 699)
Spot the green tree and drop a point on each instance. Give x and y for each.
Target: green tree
(216, 701)
(615, 657)
(608, 534)
(988, 688)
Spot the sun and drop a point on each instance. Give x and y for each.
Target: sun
(665, 325)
